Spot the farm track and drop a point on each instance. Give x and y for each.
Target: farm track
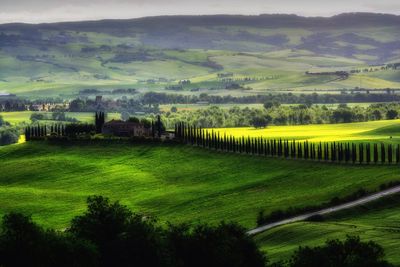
(326, 211)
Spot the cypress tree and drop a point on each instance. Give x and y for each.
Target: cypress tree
(305, 148)
(353, 153)
(368, 151)
(383, 153)
(300, 150)
(397, 154)
(346, 153)
(208, 141)
(26, 134)
(265, 147)
(326, 152)
(293, 154)
(375, 153)
(320, 151)
(361, 153)
(287, 152)
(390, 154)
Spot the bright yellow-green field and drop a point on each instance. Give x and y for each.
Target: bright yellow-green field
(24, 116)
(368, 131)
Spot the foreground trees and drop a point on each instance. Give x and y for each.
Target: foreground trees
(109, 234)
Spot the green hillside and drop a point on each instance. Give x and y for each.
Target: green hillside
(378, 221)
(173, 182)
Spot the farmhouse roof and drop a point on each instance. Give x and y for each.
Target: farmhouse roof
(118, 122)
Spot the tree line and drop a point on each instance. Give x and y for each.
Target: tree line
(288, 98)
(39, 131)
(109, 234)
(276, 114)
(290, 149)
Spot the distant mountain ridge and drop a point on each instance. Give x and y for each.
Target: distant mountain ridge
(263, 20)
(377, 36)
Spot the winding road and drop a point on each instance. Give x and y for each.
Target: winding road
(344, 206)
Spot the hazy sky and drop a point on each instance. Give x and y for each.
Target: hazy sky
(35, 11)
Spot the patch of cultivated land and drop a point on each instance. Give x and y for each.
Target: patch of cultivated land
(378, 221)
(173, 182)
(375, 131)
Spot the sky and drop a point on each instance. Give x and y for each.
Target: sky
(38, 11)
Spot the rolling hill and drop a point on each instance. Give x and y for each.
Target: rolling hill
(261, 53)
(172, 182)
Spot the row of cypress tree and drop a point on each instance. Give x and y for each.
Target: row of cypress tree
(37, 131)
(329, 152)
(41, 131)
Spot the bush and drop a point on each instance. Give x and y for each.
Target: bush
(3, 122)
(8, 136)
(349, 253)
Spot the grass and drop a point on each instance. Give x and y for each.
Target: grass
(362, 131)
(173, 182)
(377, 221)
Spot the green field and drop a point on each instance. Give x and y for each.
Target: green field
(378, 221)
(375, 131)
(173, 182)
(24, 116)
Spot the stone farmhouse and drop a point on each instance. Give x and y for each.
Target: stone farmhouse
(126, 129)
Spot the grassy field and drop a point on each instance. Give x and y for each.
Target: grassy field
(378, 221)
(363, 131)
(173, 182)
(24, 116)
